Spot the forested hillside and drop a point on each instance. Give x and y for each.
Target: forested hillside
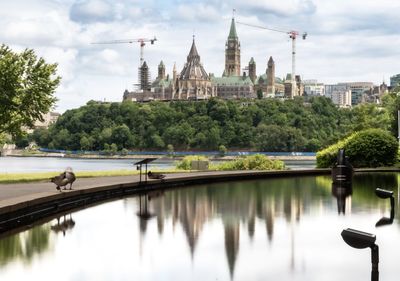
(264, 125)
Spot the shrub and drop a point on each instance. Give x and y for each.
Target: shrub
(368, 148)
(222, 150)
(254, 162)
(186, 162)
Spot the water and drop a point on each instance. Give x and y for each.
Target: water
(277, 229)
(50, 164)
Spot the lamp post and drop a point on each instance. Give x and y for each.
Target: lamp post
(360, 240)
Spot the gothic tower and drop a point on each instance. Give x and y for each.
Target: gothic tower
(232, 53)
(271, 76)
(252, 70)
(161, 71)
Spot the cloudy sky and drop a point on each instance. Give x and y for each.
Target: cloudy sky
(355, 40)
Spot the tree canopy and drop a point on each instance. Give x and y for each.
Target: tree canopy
(263, 125)
(27, 85)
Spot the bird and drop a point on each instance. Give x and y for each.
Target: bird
(67, 177)
(155, 175)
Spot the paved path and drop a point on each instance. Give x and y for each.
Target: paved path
(14, 194)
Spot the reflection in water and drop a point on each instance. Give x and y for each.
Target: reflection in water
(385, 194)
(24, 246)
(342, 192)
(63, 226)
(225, 231)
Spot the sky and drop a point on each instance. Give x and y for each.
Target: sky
(347, 41)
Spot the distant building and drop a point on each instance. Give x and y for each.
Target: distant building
(313, 88)
(395, 80)
(359, 91)
(288, 86)
(232, 52)
(269, 85)
(341, 98)
(234, 87)
(195, 84)
(48, 119)
(329, 89)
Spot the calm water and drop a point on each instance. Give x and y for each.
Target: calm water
(278, 229)
(42, 164)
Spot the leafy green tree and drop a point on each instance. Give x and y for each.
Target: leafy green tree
(85, 143)
(27, 86)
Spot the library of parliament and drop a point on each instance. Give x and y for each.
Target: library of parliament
(194, 83)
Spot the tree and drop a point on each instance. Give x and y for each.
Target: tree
(27, 85)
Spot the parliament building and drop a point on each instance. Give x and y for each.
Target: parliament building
(194, 83)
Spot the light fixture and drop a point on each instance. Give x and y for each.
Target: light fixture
(361, 240)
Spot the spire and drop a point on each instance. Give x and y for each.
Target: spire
(252, 61)
(232, 31)
(271, 61)
(193, 54)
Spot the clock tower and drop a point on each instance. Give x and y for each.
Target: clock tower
(232, 53)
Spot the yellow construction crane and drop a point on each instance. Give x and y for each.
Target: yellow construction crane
(292, 35)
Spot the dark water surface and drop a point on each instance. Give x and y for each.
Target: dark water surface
(277, 229)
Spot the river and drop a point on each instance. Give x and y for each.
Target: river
(50, 164)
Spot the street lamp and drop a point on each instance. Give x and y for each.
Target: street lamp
(361, 240)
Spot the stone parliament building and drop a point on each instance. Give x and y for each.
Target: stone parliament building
(194, 83)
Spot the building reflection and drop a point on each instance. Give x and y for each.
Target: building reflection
(235, 205)
(251, 204)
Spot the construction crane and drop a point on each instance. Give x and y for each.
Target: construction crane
(144, 76)
(292, 35)
(142, 42)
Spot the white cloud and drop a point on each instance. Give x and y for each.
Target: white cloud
(197, 12)
(348, 40)
(91, 10)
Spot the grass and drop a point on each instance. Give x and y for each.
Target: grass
(45, 176)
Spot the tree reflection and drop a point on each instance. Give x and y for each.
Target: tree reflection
(25, 245)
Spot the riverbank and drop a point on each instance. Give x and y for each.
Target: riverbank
(288, 156)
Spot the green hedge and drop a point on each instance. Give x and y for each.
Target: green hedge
(186, 162)
(368, 148)
(254, 162)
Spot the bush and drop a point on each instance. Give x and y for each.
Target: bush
(368, 148)
(186, 162)
(254, 162)
(222, 150)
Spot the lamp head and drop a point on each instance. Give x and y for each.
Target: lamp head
(358, 239)
(383, 193)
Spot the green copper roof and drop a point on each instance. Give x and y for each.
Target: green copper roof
(232, 32)
(252, 61)
(232, 81)
(162, 83)
(264, 79)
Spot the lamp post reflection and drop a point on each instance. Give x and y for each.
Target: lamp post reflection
(341, 192)
(384, 194)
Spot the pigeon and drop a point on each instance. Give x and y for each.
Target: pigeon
(67, 177)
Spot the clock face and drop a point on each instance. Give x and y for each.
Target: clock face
(231, 44)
